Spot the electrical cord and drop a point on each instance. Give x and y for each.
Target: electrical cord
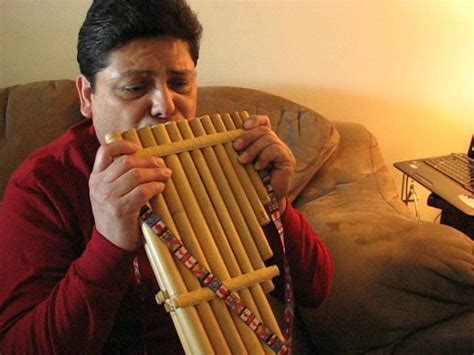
(412, 196)
(408, 194)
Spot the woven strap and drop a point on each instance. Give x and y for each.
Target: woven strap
(274, 212)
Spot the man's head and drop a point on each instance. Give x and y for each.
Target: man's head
(137, 60)
(110, 24)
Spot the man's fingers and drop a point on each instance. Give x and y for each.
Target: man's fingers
(257, 120)
(136, 177)
(143, 193)
(253, 147)
(250, 136)
(107, 153)
(125, 163)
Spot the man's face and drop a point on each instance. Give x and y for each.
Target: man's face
(147, 81)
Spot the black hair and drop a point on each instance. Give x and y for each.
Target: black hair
(110, 24)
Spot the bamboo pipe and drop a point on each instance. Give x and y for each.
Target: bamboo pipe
(207, 317)
(231, 191)
(217, 233)
(186, 320)
(247, 173)
(239, 193)
(231, 126)
(207, 168)
(249, 190)
(195, 225)
(237, 283)
(207, 204)
(206, 190)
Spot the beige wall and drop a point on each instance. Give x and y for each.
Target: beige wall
(402, 68)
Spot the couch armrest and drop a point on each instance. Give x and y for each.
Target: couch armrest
(394, 274)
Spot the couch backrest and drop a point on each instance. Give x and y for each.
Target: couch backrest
(34, 114)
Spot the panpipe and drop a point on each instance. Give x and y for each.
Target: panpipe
(215, 206)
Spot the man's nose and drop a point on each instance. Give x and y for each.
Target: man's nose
(162, 103)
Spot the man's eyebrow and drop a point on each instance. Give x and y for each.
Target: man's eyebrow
(177, 72)
(133, 72)
(181, 72)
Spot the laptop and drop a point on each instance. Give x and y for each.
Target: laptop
(451, 177)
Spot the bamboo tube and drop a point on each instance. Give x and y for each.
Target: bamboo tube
(192, 220)
(238, 118)
(252, 174)
(239, 193)
(207, 316)
(230, 199)
(209, 169)
(208, 165)
(261, 242)
(217, 236)
(204, 200)
(186, 320)
(187, 323)
(256, 197)
(237, 283)
(201, 142)
(204, 193)
(205, 203)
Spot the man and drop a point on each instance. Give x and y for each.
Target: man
(74, 275)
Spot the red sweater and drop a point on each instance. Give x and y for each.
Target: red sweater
(66, 289)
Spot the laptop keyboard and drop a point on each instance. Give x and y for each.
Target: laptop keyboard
(458, 167)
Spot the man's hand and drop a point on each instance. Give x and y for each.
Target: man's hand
(260, 145)
(119, 185)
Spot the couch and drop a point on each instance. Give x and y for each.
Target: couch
(401, 285)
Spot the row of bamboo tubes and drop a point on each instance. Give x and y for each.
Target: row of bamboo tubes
(215, 207)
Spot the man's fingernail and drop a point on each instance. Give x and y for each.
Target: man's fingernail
(238, 143)
(158, 161)
(248, 123)
(244, 157)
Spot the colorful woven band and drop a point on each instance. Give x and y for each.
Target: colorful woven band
(274, 212)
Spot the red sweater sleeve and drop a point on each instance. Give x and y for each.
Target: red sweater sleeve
(55, 297)
(310, 260)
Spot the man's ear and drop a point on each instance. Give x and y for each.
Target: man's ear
(84, 91)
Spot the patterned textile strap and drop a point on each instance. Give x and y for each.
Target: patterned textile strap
(274, 213)
(209, 280)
